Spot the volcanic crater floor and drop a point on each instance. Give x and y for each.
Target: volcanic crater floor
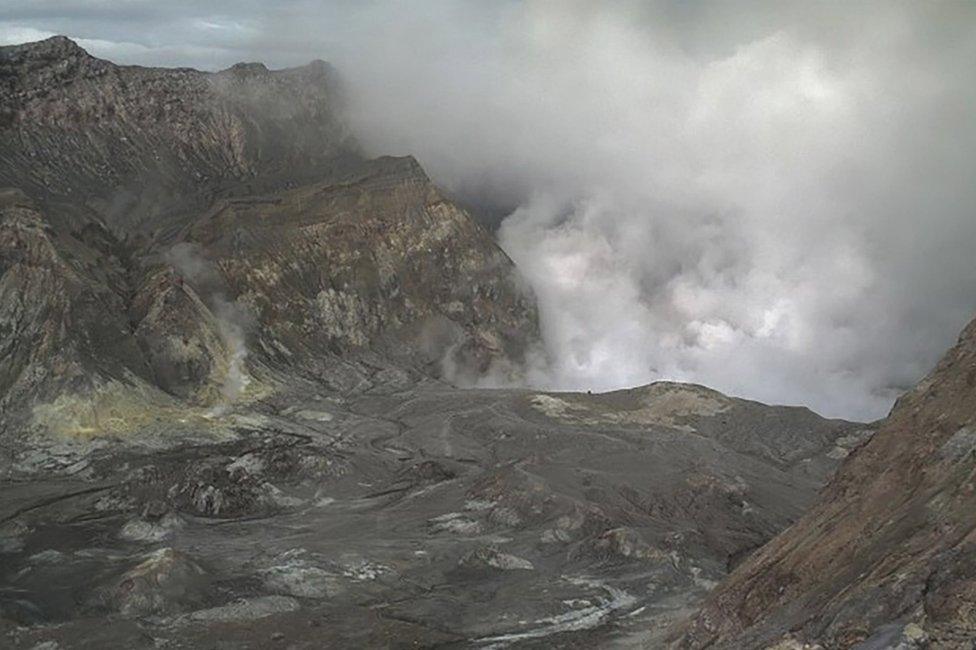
(403, 513)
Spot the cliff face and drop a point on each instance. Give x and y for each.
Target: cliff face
(167, 229)
(887, 556)
(62, 313)
(379, 257)
(139, 143)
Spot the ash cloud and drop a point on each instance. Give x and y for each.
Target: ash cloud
(772, 199)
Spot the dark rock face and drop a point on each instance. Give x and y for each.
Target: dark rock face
(178, 335)
(61, 316)
(335, 265)
(139, 143)
(172, 233)
(222, 419)
(885, 558)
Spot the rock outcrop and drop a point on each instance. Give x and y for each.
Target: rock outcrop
(378, 258)
(886, 557)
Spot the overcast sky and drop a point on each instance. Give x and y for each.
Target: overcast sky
(774, 199)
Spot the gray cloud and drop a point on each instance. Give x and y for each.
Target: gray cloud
(774, 199)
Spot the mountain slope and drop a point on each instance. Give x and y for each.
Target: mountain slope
(137, 144)
(169, 233)
(886, 557)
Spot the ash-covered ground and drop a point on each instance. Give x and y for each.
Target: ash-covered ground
(402, 512)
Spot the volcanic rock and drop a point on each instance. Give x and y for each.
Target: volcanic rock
(886, 556)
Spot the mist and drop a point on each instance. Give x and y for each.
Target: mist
(784, 213)
(774, 200)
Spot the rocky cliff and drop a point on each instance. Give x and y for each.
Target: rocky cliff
(138, 144)
(167, 233)
(886, 558)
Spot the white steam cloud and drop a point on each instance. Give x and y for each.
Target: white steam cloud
(236, 378)
(773, 199)
(784, 212)
(231, 320)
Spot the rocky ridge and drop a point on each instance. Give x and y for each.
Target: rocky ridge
(138, 145)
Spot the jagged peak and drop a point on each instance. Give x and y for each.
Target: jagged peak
(60, 47)
(409, 165)
(54, 47)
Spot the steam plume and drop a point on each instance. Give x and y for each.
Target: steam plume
(774, 199)
(231, 320)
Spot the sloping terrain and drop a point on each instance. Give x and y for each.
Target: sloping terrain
(886, 558)
(224, 414)
(402, 512)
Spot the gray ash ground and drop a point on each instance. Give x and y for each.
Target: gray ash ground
(403, 513)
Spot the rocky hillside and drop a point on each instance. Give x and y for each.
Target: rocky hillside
(886, 559)
(173, 234)
(333, 265)
(137, 144)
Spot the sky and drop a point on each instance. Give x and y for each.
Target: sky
(774, 199)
